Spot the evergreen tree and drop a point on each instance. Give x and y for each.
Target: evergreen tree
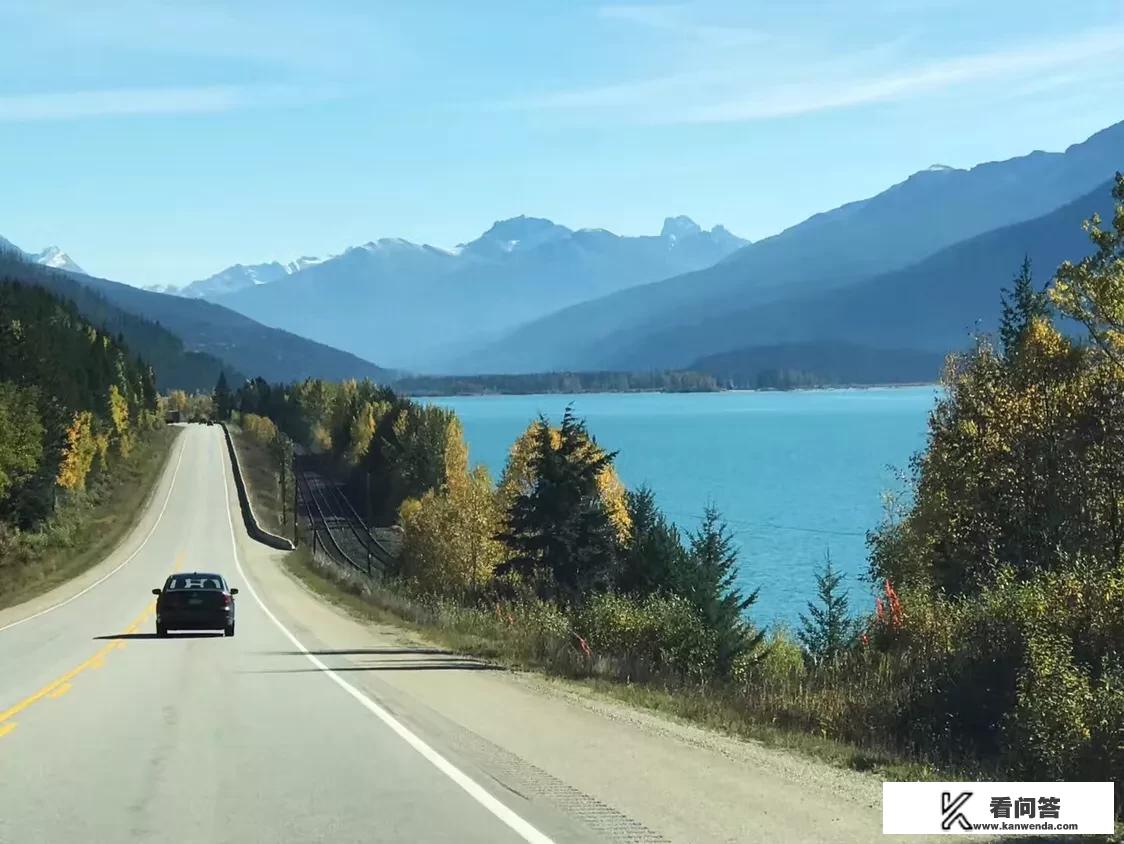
(654, 559)
(828, 629)
(1022, 304)
(21, 436)
(559, 531)
(712, 588)
(223, 399)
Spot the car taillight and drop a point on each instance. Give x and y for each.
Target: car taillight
(227, 600)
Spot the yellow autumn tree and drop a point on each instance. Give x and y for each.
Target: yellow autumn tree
(320, 438)
(449, 544)
(518, 477)
(202, 406)
(1092, 290)
(79, 452)
(178, 400)
(316, 400)
(360, 432)
(259, 428)
(119, 419)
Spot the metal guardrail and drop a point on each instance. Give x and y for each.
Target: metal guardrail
(253, 526)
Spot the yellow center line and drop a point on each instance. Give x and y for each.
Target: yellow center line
(60, 686)
(93, 662)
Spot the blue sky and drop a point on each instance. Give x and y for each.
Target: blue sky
(158, 142)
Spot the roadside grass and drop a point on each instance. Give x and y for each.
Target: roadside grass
(87, 526)
(259, 470)
(476, 633)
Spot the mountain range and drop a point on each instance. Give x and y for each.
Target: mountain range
(875, 290)
(761, 295)
(415, 306)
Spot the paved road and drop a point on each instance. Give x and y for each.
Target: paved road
(309, 726)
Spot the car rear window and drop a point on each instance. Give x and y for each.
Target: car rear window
(194, 581)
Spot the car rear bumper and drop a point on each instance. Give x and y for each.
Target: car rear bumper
(210, 620)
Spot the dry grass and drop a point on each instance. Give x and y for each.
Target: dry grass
(259, 470)
(477, 633)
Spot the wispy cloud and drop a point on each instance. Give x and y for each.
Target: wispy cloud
(292, 34)
(151, 57)
(686, 20)
(660, 15)
(739, 85)
(134, 101)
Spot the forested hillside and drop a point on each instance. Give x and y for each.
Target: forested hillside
(174, 366)
(204, 328)
(73, 400)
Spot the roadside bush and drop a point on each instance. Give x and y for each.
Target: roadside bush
(780, 662)
(259, 428)
(648, 636)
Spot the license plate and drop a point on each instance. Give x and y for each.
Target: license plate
(194, 602)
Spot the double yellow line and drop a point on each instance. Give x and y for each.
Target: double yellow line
(57, 688)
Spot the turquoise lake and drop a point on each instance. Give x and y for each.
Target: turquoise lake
(795, 474)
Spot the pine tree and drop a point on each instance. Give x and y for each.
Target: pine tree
(223, 399)
(712, 588)
(828, 629)
(1021, 304)
(654, 559)
(559, 531)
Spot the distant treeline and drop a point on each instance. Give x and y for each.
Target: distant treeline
(825, 364)
(73, 400)
(557, 382)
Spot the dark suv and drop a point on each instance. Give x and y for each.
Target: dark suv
(195, 601)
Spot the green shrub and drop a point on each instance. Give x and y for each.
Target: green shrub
(650, 635)
(782, 661)
(1048, 728)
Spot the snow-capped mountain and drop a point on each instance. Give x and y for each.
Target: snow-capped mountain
(239, 276)
(52, 256)
(413, 305)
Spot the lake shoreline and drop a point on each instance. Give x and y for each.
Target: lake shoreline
(827, 388)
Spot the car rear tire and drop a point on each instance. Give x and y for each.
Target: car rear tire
(229, 631)
(161, 631)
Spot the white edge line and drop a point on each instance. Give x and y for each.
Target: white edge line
(514, 821)
(127, 560)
